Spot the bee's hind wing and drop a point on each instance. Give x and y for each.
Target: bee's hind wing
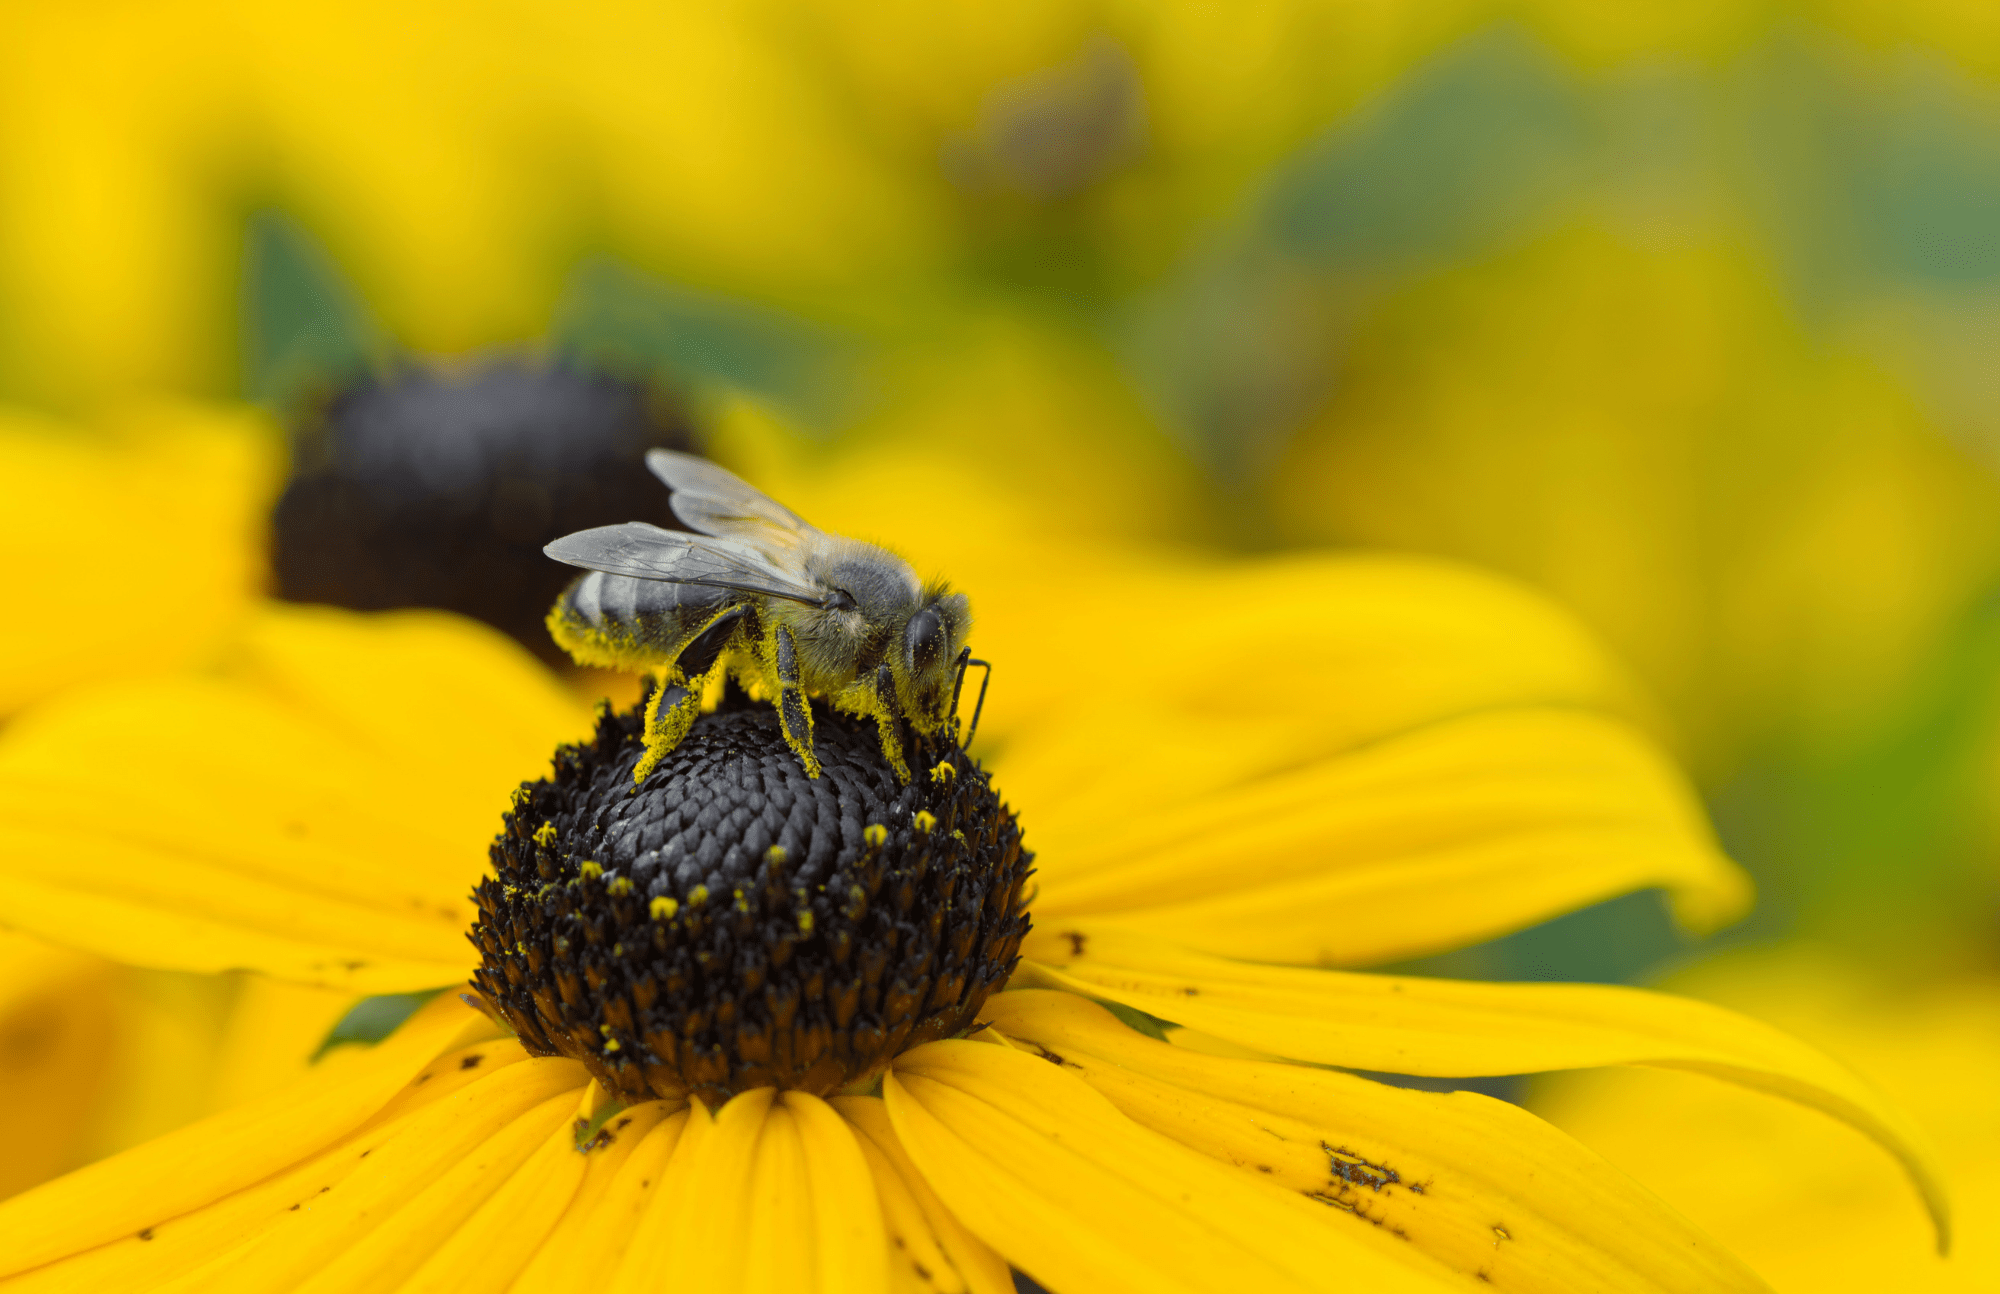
(718, 502)
(650, 553)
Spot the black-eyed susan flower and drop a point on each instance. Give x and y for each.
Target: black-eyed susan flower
(744, 1030)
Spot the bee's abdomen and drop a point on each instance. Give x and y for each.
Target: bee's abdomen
(619, 622)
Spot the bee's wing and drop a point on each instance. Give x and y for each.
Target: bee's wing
(717, 502)
(650, 553)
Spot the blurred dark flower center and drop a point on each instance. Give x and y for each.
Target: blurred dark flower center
(730, 924)
(427, 488)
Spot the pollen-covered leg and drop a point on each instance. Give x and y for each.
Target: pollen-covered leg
(793, 712)
(887, 723)
(677, 700)
(672, 711)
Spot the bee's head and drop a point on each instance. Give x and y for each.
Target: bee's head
(932, 638)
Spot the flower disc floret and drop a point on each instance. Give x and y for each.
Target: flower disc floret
(730, 923)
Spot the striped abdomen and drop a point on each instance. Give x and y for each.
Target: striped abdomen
(620, 622)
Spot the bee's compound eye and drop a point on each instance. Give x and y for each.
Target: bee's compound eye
(925, 639)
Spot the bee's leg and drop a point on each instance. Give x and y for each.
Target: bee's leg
(677, 700)
(889, 724)
(793, 712)
(669, 715)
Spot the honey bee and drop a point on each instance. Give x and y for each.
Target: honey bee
(787, 609)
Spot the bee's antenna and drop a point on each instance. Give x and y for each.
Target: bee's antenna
(980, 704)
(958, 678)
(958, 688)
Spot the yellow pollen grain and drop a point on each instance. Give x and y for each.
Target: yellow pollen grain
(663, 908)
(697, 896)
(742, 904)
(618, 886)
(545, 835)
(776, 856)
(944, 773)
(925, 820)
(876, 835)
(589, 871)
(805, 921)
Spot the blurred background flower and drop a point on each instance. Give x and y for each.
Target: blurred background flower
(1684, 314)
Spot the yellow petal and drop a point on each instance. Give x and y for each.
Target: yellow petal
(416, 684)
(167, 1177)
(274, 1031)
(130, 549)
(1810, 1211)
(282, 824)
(1046, 1171)
(591, 1238)
(776, 1199)
(1481, 1185)
(58, 1022)
(496, 1242)
(1331, 651)
(650, 1197)
(773, 1214)
(850, 1249)
(933, 1252)
(1456, 832)
(172, 1027)
(274, 1232)
(376, 1227)
(1449, 1027)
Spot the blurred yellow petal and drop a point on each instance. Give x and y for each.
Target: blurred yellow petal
(131, 549)
(1814, 1213)
(1404, 1025)
(1456, 832)
(1447, 1173)
(934, 1253)
(165, 1178)
(405, 682)
(172, 1030)
(274, 1032)
(1048, 1172)
(1373, 647)
(58, 1021)
(289, 821)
